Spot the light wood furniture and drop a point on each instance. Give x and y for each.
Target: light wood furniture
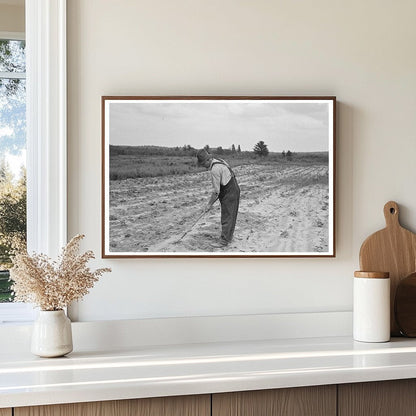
(382, 398)
(161, 406)
(317, 401)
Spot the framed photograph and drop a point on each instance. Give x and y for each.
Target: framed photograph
(218, 177)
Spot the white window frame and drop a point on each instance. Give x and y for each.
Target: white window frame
(46, 134)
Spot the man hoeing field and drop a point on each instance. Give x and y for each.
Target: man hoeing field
(226, 189)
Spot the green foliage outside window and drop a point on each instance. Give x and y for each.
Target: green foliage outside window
(12, 224)
(12, 145)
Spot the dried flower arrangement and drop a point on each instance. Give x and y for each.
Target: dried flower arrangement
(53, 285)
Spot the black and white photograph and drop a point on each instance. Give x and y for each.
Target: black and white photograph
(218, 176)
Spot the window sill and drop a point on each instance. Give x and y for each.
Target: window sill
(16, 313)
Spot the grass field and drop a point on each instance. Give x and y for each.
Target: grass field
(148, 161)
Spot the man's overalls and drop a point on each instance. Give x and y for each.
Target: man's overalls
(229, 197)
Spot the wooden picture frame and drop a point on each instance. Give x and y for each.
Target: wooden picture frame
(280, 150)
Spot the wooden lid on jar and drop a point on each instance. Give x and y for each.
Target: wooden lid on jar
(372, 275)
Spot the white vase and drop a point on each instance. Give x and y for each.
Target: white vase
(52, 334)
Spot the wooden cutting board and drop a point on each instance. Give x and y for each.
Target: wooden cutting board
(393, 250)
(405, 306)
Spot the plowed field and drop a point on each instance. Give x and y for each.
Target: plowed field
(283, 209)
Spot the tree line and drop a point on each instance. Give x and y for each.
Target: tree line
(12, 223)
(260, 149)
(12, 213)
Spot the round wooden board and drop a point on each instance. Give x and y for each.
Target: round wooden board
(405, 306)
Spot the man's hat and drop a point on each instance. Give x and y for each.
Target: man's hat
(202, 156)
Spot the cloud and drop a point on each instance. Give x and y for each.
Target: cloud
(223, 123)
(5, 131)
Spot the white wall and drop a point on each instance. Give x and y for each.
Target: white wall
(361, 51)
(12, 18)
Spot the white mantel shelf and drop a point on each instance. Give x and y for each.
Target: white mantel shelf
(151, 371)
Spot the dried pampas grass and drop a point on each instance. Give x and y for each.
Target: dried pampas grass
(53, 285)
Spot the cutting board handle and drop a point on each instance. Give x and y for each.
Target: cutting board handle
(391, 214)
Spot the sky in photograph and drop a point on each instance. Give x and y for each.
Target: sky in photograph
(294, 126)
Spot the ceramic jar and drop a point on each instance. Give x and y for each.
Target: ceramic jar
(52, 334)
(371, 307)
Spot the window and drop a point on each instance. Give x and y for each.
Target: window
(12, 154)
(12, 165)
(46, 135)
